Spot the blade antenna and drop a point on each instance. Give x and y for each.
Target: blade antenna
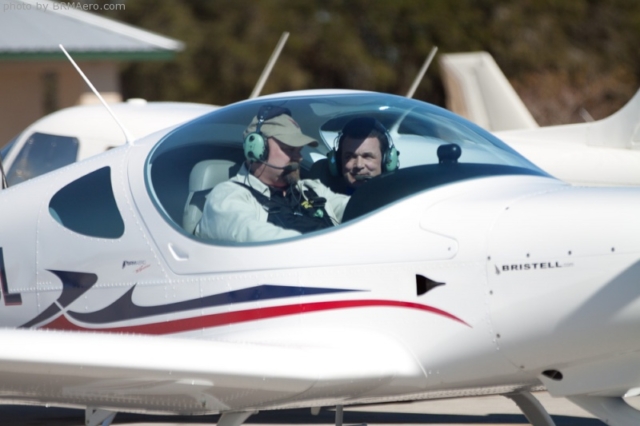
(423, 70)
(4, 176)
(127, 135)
(267, 69)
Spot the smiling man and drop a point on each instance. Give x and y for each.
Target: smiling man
(365, 151)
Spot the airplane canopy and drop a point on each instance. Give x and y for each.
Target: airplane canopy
(436, 148)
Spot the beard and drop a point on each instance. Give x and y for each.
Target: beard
(293, 176)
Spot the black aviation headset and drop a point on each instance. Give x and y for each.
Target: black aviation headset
(255, 144)
(361, 127)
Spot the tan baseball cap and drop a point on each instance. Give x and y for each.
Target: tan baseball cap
(283, 128)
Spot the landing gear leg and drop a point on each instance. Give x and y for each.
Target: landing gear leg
(234, 418)
(339, 415)
(531, 408)
(98, 417)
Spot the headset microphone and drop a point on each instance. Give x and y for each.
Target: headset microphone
(362, 178)
(291, 168)
(287, 169)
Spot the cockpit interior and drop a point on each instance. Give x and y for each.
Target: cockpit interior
(436, 148)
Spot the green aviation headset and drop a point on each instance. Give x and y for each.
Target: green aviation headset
(255, 144)
(361, 127)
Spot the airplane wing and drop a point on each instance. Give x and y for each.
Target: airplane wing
(192, 376)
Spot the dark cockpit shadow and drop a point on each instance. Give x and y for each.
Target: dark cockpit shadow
(388, 188)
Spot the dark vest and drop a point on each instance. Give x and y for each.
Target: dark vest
(292, 210)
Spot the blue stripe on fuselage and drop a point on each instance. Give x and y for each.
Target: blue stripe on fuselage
(125, 309)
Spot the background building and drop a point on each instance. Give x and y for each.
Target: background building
(35, 76)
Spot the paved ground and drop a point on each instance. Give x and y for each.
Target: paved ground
(497, 411)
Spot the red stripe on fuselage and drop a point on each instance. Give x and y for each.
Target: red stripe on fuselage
(226, 318)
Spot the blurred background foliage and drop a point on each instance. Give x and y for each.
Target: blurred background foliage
(560, 55)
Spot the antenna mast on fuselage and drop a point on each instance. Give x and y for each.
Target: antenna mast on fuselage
(129, 139)
(423, 70)
(267, 69)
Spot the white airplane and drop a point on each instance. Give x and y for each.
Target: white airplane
(75, 133)
(470, 272)
(604, 152)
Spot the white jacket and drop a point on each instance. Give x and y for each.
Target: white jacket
(232, 213)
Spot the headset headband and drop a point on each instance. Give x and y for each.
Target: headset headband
(267, 112)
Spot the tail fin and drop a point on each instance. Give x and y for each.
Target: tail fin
(619, 130)
(478, 90)
(603, 152)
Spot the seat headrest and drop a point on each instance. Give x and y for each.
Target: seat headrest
(208, 173)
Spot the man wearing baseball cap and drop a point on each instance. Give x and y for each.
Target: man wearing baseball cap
(266, 200)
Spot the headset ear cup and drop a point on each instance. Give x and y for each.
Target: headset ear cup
(255, 147)
(332, 162)
(391, 159)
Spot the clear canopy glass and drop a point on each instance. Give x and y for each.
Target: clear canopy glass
(436, 148)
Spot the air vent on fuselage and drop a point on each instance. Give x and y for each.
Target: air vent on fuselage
(553, 374)
(424, 284)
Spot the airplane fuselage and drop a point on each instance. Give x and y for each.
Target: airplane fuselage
(455, 278)
(520, 284)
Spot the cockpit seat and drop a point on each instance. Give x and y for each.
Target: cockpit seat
(204, 176)
(320, 170)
